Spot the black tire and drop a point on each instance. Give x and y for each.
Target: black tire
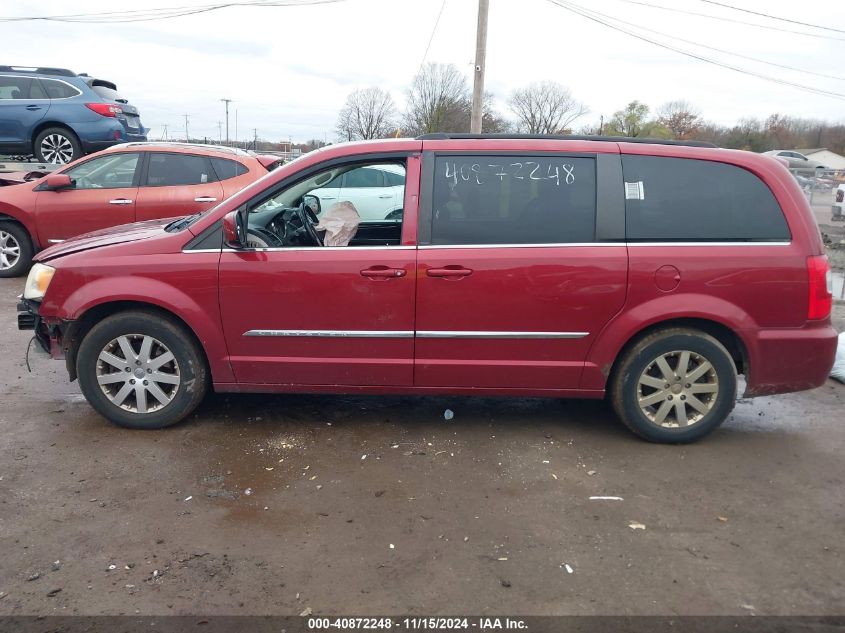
(56, 145)
(640, 363)
(14, 241)
(189, 363)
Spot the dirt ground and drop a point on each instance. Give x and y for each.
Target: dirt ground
(354, 505)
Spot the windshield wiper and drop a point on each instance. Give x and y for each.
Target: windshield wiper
(182, 223)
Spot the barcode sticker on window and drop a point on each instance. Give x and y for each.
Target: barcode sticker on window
(634, 190)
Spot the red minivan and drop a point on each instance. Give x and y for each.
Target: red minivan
(651, 273)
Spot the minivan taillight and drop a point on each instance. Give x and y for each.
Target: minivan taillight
(840, 195)
(104, 109)
(821, 287)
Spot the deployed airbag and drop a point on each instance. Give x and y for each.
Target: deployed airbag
(340, 222)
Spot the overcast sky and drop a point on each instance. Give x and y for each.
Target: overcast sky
(289, 69)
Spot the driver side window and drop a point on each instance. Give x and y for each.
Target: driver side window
(325, 209)
(115, 171)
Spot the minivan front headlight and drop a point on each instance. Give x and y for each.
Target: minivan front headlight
(38, 281)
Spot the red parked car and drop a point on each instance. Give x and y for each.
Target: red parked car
(125, 183)
(653, 274)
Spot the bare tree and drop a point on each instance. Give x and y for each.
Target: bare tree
(681, 118)
(368, 113)
(546, 107)
(437, 101)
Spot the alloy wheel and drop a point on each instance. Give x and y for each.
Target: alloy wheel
(57, 149)
(10, 250)
(138, 373)
(677, 389)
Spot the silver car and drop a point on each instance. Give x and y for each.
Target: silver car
(795, 159)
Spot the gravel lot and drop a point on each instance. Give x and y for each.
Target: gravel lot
(354, 505)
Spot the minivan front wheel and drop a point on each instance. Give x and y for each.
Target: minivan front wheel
(674, 386)
(141, 370)
(57, 145)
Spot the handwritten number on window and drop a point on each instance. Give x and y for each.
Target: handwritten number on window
(477, 174)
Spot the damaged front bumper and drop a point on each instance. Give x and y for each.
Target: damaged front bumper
(53, 335)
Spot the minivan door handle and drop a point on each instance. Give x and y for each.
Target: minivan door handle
(33, 107)
(449, 272)
(382, 272)
(120, 201)
(204, 199)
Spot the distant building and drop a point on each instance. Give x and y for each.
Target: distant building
(825, 157)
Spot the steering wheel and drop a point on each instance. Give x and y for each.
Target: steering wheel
(309, 219)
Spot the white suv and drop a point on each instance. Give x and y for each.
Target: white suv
(377, 191)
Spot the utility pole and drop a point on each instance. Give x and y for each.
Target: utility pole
(601, 125)
(236, 126)
(227, 102)
(220, 132)
(187, 136)
(164, 134)
(480, 57)
(255, 131)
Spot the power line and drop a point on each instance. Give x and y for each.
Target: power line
(578, 10)
(731, 20)
(712, 48)
(431, 37)
(161, 13)
(773, 17)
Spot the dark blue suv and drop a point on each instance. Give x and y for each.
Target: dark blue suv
(58, 116)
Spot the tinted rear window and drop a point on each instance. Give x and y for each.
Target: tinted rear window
(506, 199)
(107, 93)
(226, 168)
(677, 199)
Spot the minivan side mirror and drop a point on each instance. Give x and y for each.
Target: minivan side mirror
(234, 235)
(312, 202)
(57, 182)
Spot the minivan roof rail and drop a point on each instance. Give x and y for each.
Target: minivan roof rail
(443, 136)
(62, 72)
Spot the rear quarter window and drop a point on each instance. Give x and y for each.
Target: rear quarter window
(225, 168)
(56, 89)
(689, 200)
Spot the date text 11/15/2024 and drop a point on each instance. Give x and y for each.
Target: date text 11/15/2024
(417, 623)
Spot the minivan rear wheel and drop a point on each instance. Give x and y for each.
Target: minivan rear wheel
(674, 386)
(141, 370)
(57, 145)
